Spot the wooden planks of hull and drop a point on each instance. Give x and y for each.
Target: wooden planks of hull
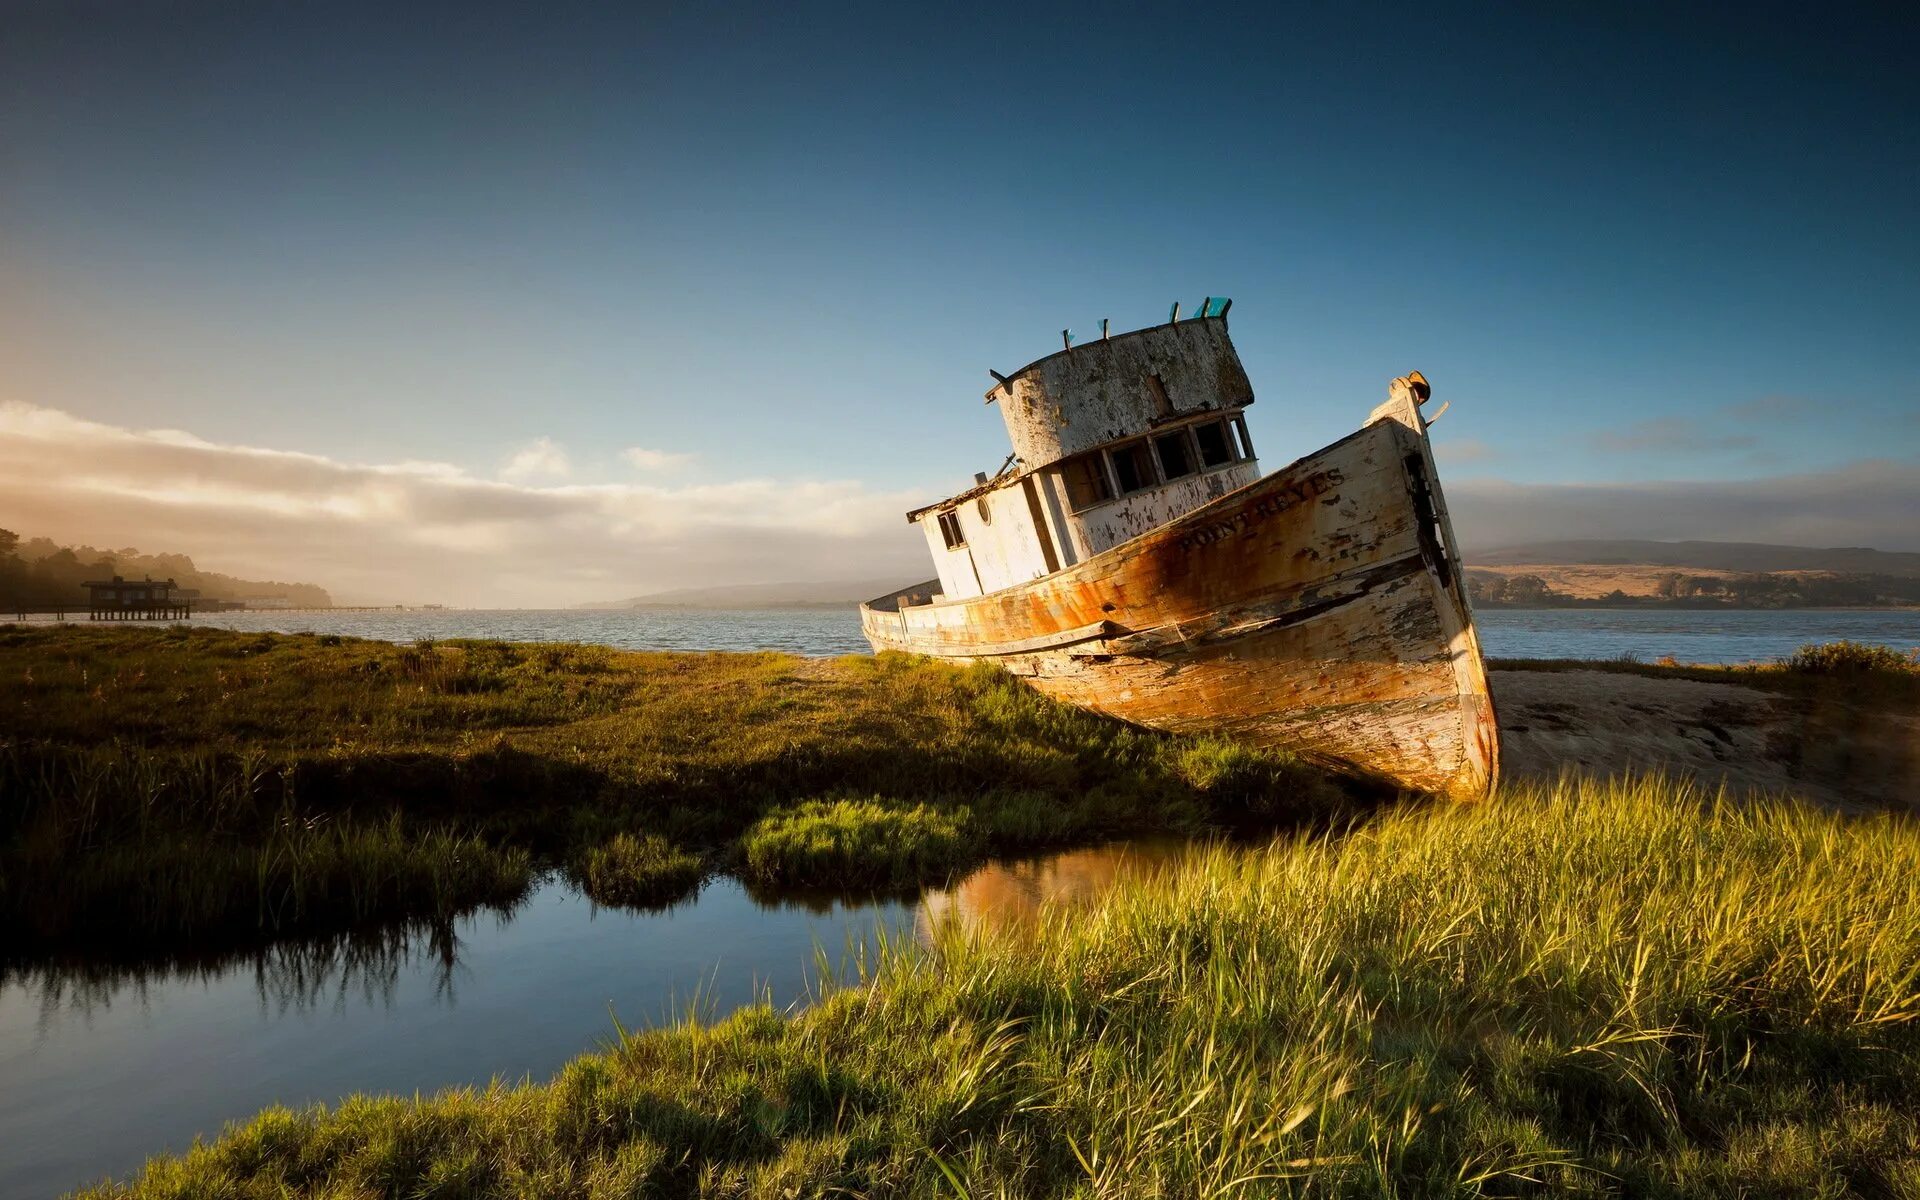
(1321, 609)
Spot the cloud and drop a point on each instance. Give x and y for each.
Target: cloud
(655, 460)
(1464, 450)
(1669, 435)
(1867, 503)
(424, 531)
(415, 531)
(541, 458)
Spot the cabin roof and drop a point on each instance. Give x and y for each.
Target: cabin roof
(1004, 479)
(994, 392)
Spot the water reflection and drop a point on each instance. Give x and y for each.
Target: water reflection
(362, 968)
(1014, 894)
(107, 1063)
(366, 968)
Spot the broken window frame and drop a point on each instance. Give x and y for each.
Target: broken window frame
(950, 531)
(1149, 478)
(1182, 441)
(1227, 445)
(1093, 477)
(1246, 443)
(1096, 482)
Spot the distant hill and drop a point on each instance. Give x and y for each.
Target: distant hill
(1710, 556)
(831, 594)
(1692, 575)
(40, 573)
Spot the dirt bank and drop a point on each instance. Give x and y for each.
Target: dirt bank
(1751, 739)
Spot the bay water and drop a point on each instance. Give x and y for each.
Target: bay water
(1690, 635)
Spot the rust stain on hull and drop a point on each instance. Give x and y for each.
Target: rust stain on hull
(1320, 609)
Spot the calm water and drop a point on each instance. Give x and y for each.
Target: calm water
(818, 631)
(1709, 637)
(103, 1069)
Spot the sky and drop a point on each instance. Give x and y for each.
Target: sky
(553, 303)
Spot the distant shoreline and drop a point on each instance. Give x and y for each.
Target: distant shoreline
(1685, 606)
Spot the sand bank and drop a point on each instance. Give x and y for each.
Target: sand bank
(1749, 738)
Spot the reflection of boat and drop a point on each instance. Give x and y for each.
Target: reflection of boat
(1012, 894)
(1131, 559)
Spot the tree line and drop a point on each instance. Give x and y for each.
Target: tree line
(37, 574)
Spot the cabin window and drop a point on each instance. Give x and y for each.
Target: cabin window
(1246, 443)
(986, 514)
(1132, 467)
(1215, 442)
(1175, 454)
(950, 531)
(1157, 392)
(1086, 478)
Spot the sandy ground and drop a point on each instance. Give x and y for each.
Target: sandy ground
(1749, 739)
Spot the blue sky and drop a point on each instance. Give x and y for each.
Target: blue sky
(1628, 245)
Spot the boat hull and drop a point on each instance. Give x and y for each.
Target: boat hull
(1321, 609)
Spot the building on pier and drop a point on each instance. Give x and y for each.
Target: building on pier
(120, 599)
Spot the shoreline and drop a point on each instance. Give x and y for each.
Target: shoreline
(1597, 606)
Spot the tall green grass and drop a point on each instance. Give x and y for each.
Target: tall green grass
(1619, 988)
(636, 872)
(858, 843)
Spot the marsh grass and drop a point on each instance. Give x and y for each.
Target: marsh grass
(636, 872)
(1829, 672)
(213, 784)
(309, 973)
(861, 843)
(301, 877)
(1853, 660)
(1625, 988)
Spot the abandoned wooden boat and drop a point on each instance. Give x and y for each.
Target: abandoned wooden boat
(1131, 559)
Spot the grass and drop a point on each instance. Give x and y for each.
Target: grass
(1833, 671)
(179, 785)
(1618, 988)
(871, 843)
(1854, 660)
(303, 876)
(637, 872)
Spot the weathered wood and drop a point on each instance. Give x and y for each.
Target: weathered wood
(1321, 608)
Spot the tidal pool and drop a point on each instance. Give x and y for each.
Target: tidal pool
(104, 1065)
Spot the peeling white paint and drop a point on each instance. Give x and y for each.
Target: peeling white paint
(1094, 396)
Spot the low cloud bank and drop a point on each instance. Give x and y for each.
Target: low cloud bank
(432, 532)
(1869, 503)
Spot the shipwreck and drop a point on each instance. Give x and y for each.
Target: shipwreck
(1131, 558)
